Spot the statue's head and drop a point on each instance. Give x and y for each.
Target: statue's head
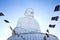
(29, 12)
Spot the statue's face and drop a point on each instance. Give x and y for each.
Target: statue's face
(29, 12)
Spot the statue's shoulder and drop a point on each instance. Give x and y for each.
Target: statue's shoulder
(21, 18)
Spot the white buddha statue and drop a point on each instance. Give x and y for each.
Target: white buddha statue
(27, 23)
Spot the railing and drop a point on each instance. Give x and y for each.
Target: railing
(32, 36)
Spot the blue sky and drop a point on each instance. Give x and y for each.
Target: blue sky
(43, 9)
